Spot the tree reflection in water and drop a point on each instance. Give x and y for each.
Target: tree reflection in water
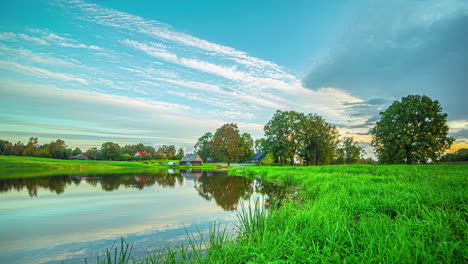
(226, 191)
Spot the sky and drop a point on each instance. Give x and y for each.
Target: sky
(166, 72)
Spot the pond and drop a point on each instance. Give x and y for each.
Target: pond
(67, 218)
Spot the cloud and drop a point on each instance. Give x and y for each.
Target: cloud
(42, 58)
(44, 37)
(396, 48)
(40, 73)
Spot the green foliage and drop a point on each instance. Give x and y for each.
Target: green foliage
(203, 146)
(260, 145)
(411, 131)
(227, 143)
(247, 145)
(76, 152)
(349, 153)
(460, 155)
(32, 148)
(169, 151)
(57, 149)
(268, 159)
(110, 151)
(290, 134)
(180, 154)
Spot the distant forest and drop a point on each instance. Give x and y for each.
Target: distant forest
(109, 151)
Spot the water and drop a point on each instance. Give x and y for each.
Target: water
(66, 218)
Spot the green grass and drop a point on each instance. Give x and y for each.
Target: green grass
(15, 166)
(346, 214)
(343, 214)
(360, 214)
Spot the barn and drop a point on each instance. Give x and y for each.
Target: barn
(257, 158)
(191, 160)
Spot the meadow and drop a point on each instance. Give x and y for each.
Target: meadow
(342, 214)
(19, 166)
(337, 214)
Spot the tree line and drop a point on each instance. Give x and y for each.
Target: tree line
(413, 130)
(108, 151)
(290, 138)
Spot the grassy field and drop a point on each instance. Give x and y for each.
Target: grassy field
(14, 166)
(344, 214)
(359, 214)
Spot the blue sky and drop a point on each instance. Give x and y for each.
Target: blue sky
(165, 72)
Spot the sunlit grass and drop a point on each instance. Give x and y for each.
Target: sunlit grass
(346, 214)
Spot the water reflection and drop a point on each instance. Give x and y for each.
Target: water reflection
(225, 190)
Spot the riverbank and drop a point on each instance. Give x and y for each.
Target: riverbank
(16, 166)
(345, 214)
(358, 214)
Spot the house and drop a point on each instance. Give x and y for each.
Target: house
(79, 157)
(193, 174)
(257, 158)
(191, 160)
(139, 154)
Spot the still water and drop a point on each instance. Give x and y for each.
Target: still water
(66, 218)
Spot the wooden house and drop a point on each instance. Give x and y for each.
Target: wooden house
(191, 160)
(257, 158)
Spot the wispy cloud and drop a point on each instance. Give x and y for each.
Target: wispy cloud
(40, 73)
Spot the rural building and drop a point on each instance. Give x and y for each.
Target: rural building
(191, 160)
(193, 174)
(79, 157)
(257, 158)
(139, 154)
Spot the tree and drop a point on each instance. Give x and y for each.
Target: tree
(413, 130)
(203, 146)
(17, 149)
(5, 147)
(458, 156)
(160, 155)
(318, 140)
(180, 154)
(260, 145)
(350, 150)
(32, 148)
(290, 135)
(110, 151)
(247, 147)
(169, 151)
(268, 159)
(281, 135)
(92, 153)
(76, 152)
(58, 149)
(227, 143)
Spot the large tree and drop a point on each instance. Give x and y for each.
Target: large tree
(282, 135)
(227, 143)
(291, 135)
(110, 151)
(203, 145)
(413, 130)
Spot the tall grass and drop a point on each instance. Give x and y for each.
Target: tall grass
(345, 214)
